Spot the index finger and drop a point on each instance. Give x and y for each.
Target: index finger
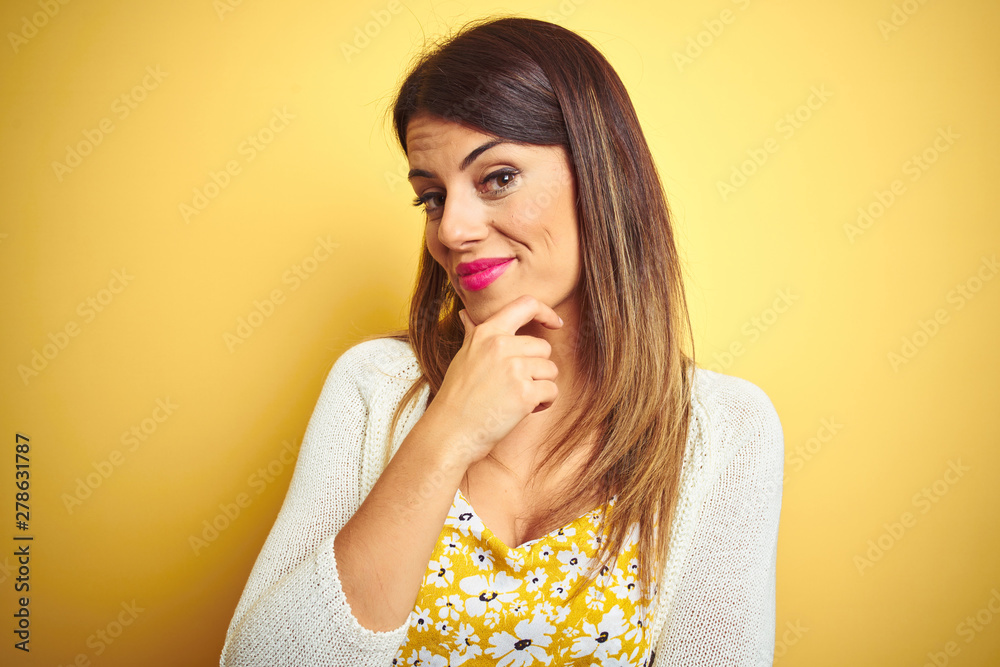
(520, 311)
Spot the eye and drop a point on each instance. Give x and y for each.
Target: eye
(503, 177)
(423, 199)
(498, 176)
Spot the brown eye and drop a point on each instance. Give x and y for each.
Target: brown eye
(504, 179)
(424, 199)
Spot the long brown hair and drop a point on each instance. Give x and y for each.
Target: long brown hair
(536, 82)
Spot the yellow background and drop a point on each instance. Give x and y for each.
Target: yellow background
(333, 172)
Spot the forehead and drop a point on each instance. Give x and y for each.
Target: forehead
(425, 132)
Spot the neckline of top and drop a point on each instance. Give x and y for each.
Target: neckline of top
(529, 543)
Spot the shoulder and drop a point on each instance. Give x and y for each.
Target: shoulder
(733, 400)
(375, 362)
(388, 356)
(736, 413)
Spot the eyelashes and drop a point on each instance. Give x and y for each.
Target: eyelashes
(500, 173)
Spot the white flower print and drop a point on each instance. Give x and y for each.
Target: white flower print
(525, 646)
(450, 606)
(604, 576)
(458, 657)
(559, 614)
(639, 656)
(421, 619)
(491, 618)
(468, 640)
(636, 625)
(595, 598)
(483, 558)
(574, 561)
(453, 545)
(440, 572)
(519, 608)
(535, 579)
(484, 603)
(623, 661)
(603, 639)
(464, 520)
(423, 656)
(558, 590)
(489, 591)
(515, 560)
(594, 540)
(563, 534)
(627, 589)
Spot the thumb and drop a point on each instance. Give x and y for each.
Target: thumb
(466, 323)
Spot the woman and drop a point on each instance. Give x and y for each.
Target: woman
(534, 472)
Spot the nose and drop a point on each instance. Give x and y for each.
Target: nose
(464, 220)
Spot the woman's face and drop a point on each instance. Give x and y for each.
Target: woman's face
(506, 202)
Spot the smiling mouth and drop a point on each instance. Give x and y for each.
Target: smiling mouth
(476, 266)
(487, 274)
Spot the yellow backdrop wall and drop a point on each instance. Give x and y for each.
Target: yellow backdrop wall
(200, 212)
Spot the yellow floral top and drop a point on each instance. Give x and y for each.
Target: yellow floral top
(483, 603)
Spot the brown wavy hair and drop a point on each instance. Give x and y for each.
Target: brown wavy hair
(532, 81)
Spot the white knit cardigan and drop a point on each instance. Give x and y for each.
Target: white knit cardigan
(716, 593)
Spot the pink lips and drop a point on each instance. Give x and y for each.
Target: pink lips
(480, 273)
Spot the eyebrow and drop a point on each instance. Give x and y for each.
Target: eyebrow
(469, 159)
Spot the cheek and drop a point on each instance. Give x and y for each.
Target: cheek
(434, 246)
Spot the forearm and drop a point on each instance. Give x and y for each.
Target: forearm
(383, 550)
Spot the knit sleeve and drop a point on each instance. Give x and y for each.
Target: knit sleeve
(724, 609)
(293, 610)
